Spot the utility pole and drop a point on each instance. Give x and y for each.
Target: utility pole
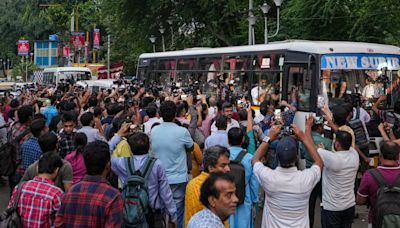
(108, 56)
(250, 25)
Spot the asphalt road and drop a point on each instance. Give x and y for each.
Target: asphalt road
(360, 222)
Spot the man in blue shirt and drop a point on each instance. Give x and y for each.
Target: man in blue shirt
(51, 110)
(244, 213)
(30, 149)
(220, 137)
(171, 143)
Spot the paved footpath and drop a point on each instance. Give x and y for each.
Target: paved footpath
(360, 222)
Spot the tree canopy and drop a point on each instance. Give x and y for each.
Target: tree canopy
(195, 23)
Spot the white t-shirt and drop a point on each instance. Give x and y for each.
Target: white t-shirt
(338, 176)
(255, 92)
(147, 125)
(287, 192)
(232, 124)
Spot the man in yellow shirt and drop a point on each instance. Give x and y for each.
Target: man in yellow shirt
(215, 159)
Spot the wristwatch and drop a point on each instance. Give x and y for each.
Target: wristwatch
(266, 139)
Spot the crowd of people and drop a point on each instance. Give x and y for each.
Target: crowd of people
(117, 159)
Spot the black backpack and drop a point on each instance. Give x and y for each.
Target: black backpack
(10, 218)
(238, 172)
(359, 131)
(387, 209)
(8, 154)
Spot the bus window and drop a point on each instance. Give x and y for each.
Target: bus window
(209, 78)
(299, 87)
(49, 78)
(237, 69)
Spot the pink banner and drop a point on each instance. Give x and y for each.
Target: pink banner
(77, 39)
(96, 38)
(66, 51)
(23, 47)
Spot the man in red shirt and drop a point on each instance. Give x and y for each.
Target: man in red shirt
(93, 202)
(390, 170)
(40, 199)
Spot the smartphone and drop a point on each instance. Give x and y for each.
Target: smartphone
(184, 97)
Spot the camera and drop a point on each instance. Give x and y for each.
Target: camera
(286, 131)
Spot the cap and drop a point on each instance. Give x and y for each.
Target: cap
(287, 150)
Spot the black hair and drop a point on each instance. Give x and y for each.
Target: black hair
(167, 111)
(139, 143)
(96, 156)
(53, 100)
(80, 143)
(151, 111)
(111, 109)
(39, 116)
(340, 115)
(396, 131)
(396, 107)
(221, 122)
(348, 107)
(180, 108)
(14, 103)
(243, 114)
(69, 106)
(345, 139)
(208, 188)
(390, 151)
(97, 111)
(212, 154)
(92, 101)
(68, 116)
(48, 142)
(86, 118)
(219, 104)
(264, 107)
(49, 162)
(24, 113)
(227, 105)
(235, 136)
(37, 126)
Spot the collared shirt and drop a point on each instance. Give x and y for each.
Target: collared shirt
(148, 124)
(169, 143)
(318, 139)
(205, 219)
(123, 149)
(67, 143)
(231, 124)
(78, 165)
(40, 199)
(340, 170)
(92, 134)
(369, 187)
(243, 216)
(287, 192)
(49, 113)
(206, 126)
(218, 138)
(91, 203)
(158, 187)
(30, 152)
(192, 196)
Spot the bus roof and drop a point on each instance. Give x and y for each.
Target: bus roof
(307, 46)
(61, 69)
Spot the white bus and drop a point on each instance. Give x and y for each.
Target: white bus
(315, 71)
(56, 75)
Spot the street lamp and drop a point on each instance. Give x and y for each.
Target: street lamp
(162, 31)
(265, 9)
(152, 39)
(252, 21)
(169, 21)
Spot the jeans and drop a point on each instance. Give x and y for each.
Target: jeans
(317, 191)
(337, 219)
(178, 193)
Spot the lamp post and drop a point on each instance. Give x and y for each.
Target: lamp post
(265, 9)
(252, 21)
(162, 31)
(169, 21)
(152, 39)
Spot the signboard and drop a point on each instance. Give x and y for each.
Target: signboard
(66, 51)
(96, 38)
(77, 39)
(23, 47)
(349, 61)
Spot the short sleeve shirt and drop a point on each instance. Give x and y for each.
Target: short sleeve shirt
(287, 191)
(369, 187)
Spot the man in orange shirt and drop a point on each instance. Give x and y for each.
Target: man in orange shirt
(215, 159)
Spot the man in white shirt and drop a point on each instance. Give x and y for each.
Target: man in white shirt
(258, 93)
(151, 112)
(338, 176)
(287, 189)
(227, 110)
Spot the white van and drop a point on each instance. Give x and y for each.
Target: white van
(96, 85)
(56, 75)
